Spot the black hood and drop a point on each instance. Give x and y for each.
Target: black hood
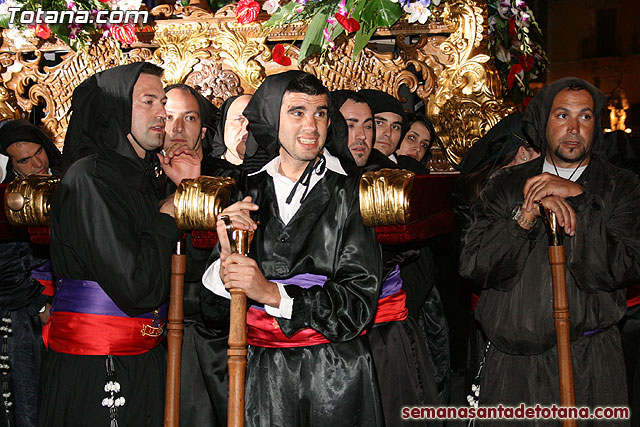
(101, 118)
(382, 102)
(20, 130)
(537, 113)
(209, 116)
(263, 113)
(218, 147)
(505, 137)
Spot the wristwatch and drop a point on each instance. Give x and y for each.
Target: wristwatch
(523, 222)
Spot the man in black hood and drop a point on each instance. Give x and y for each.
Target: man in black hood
(313, 269)
(24, 268)
(112, 232)
(506, 251)
(30, 151)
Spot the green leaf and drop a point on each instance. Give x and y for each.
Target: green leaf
(281, 14)
(363, 35)
(382, 13)
(313, 38)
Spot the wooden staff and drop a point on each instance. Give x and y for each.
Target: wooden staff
(561, 313)
(240, 241)
(175, 327)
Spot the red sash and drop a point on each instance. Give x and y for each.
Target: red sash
(96, 334)
(263, 331)
(392, 308)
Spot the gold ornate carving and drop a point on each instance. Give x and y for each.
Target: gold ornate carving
(214, 83)
(28, 200)
(8, 106)
(53, 86)
(239, 52)
(182, 46)
(384, 197)
(371, 70)
(467, 100)
(198, 201)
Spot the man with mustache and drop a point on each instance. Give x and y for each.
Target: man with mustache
(313, 270)
(506, 250)
(112, 233)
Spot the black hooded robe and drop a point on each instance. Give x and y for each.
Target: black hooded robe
(324, 384)
(515, 308)
(106, 227)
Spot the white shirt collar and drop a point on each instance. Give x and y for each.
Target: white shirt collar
(332, 163)
(566, 173)
(283, 185)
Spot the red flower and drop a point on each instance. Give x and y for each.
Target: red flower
(124, 33)
(526, 100)
(278, 55)
(247, 11)
(43, 31)
(526, 62)
(515, 69)
(349, 24)
(512, 26)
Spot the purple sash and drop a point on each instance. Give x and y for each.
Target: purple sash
(85, 296)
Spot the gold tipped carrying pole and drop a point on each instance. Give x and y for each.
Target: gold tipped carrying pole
(560, 312)
(240, 242)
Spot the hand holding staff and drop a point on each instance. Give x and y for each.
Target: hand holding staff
(236, 239)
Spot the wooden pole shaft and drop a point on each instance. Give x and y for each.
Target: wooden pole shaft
(175, 327)
(237, 357)
(563, 330)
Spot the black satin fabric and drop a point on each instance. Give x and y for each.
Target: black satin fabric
(515, 308)
(316, 386)
(404, 370)
(326, 237)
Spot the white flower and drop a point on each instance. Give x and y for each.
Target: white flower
(270, 6)
(435, 2)
(4, 7)
(125, 4)
(417, 12)
(120, 401)
(19, 41)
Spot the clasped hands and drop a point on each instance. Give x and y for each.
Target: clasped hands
(239, 271)
(551, 192)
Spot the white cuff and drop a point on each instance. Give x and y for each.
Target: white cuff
(212, 281)
(286, 305)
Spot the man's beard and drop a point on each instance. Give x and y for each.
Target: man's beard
(583, 155)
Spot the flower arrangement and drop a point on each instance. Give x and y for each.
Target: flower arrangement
(514, 35)
(328, 19)
(515, 41)
(75, 34)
